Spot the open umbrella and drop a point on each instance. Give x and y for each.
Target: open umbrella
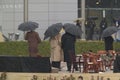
(109, 31)
(53, 30)
(26, 26)
(73, 29)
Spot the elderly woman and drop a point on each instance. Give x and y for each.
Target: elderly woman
(33, 40)
(56, 52)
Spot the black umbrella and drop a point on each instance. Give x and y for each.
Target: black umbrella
(109, 31)
(26, 26)
(53, 30)
(73, 29)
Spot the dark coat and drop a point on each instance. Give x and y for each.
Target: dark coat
(68, 46)
(90, 25)
(116, 66)
(103, 25)
(108, 43)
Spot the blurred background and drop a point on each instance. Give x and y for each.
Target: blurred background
(47, 12)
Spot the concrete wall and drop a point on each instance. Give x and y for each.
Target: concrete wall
(45, 12)
(11, 14)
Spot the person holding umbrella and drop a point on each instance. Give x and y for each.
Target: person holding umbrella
(31, 36)
(108, 39)
(33, 40)
(53, 32)
(56, 52)
(68, 43)
(108, 43)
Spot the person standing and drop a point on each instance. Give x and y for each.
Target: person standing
(78, 23)
(108, 47)
(56, 52)
(116, 65)
(96, 34)
(90, 25)
(33, 40)
(108, 43)
(68, 45)
(103, 25)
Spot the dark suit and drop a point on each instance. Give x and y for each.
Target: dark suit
(68, 46)
(108, 43)
(116, 66)
(103, 26)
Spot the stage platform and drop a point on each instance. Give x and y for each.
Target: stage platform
(28, 68)
(59, 76)
(25, 64)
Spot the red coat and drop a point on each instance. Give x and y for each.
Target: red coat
(33, 40)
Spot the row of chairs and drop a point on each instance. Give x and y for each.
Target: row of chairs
(94, 62)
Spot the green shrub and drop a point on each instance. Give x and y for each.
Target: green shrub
(83, 46)
(20, 48)
(13, 48)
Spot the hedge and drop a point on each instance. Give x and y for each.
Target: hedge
(20, 48)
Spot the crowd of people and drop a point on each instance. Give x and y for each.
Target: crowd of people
(94, 31)
(66, 42)
(62, 47)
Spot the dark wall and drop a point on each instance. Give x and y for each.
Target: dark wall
(25, 64)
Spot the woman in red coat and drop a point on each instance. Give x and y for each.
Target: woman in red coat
(33, 40)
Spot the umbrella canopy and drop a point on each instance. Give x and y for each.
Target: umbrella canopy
(109, 31)
(53, 30)
(26, 26)
(73, 29)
